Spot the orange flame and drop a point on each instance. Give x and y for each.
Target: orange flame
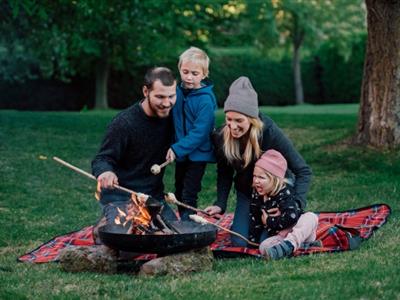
(97, 193)
(136, 212)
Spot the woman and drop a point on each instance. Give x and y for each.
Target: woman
(238, 144)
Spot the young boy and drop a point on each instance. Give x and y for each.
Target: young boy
(193, 117)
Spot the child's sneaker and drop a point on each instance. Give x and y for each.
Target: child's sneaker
(284, 249)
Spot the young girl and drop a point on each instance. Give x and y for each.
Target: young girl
(287, 231)
(193, 117)
(238, 144)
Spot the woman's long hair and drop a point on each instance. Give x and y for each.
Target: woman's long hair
(252, 149)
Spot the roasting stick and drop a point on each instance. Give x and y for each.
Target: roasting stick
(170, 198)
(201, 220)
(64, 163)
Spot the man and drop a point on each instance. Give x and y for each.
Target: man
(137, 138)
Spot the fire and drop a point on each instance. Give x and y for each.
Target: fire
(137, 214)
(97, 193)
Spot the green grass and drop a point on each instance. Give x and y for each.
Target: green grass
(40, 199)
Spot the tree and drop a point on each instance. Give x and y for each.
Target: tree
(297, 23)
(379, 115)
(91, 37)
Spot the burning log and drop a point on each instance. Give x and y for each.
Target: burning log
(143, 216)
(203, 221)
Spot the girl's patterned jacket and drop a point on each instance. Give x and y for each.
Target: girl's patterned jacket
(288, 206)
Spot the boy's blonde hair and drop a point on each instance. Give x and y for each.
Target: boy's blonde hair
(197, 56)
(252, 149)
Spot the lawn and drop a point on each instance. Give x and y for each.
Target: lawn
(40, 199)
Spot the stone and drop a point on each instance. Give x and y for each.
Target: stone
(180, 263)
(96, 258)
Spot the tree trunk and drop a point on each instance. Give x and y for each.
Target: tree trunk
(102, 69)
(298, 37)
(298, 84)
(379, 115)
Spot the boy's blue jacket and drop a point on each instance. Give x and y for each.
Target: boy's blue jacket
(194, 121)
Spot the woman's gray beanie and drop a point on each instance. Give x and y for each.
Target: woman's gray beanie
(242, 98)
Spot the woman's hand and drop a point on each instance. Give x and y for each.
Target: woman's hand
(213, 210)
(274, 212)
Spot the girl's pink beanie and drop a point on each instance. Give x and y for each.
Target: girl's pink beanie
(273, 162)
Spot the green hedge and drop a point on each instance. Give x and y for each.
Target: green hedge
(327, 78)
(271, 79)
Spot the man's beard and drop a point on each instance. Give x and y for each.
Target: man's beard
(157, 110)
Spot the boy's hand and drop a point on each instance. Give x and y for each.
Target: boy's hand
(170, 155)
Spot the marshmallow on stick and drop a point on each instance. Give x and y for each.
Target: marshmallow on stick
(156, 169)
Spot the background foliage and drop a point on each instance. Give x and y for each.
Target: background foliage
(55, 56)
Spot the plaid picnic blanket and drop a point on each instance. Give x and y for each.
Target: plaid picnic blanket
(337, 231)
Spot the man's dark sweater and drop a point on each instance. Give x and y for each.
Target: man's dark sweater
(132, 144)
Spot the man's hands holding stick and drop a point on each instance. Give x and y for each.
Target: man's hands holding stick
(107, 180)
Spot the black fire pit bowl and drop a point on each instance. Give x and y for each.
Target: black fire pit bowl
(192, 236)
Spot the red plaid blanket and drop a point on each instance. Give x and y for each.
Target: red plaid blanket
(337, 231)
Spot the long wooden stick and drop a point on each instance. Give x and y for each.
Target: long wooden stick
(172, 199)
(84, 173)
(202, 220)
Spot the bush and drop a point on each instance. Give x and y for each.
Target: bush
(47, 94)
(327, 78)
(271, 79)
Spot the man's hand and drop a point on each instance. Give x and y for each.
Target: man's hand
(213, 210)
(170, 155)
(107, 180)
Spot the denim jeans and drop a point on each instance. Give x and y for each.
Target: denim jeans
(241, 219)
(241, 222)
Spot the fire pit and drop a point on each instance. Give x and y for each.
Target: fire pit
(191, 236)
(141, 228)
